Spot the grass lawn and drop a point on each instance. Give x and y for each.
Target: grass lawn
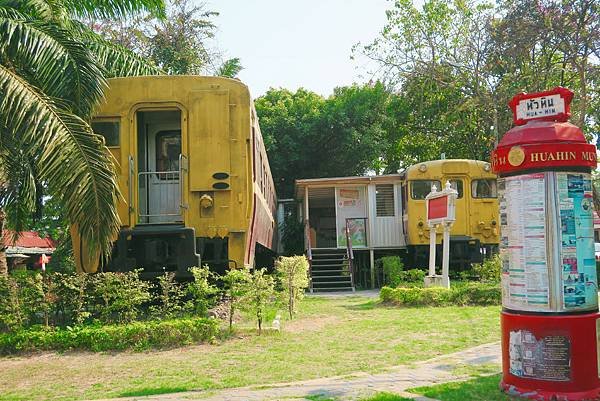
(331, 336)
(476, 389)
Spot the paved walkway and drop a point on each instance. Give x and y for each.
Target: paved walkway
(352, 387)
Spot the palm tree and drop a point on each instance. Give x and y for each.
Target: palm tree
(53, 71)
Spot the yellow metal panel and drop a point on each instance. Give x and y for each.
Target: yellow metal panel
(209, 139)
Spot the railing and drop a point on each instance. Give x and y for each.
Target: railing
(163, 196)
(308, 253)
(349, 253)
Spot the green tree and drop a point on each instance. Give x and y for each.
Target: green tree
(53, 73)
(179, 43)
(259, 295)
(236, 287)
(308, 136)
(293, 273)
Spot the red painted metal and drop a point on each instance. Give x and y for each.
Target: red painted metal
(558, 360)
(543, 144)
(437, 208)
(584, 383)
(564, 93)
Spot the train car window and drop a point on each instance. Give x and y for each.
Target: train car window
(458, 186)
(484, 189)
(420, 188)
(109, 130)
(168, 149)
(384, 200)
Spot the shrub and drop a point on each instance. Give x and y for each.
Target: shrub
(489, 271)
(258, 295)
(118, 297)
(468, 294)
(11, 315)
(293, 272)
(137, 335)
(236, 287)
(170, 297)
(201, 291)
(392, 270)
(72, 296)
(412, 276)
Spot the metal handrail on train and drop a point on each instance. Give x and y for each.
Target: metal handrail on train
(168, 204)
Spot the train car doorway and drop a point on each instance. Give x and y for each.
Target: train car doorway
(158, 167)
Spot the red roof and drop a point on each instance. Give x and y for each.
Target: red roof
(27, 239)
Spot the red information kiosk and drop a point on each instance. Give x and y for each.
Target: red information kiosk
(550, 320)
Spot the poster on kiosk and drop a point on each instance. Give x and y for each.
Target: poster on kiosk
(550, 322)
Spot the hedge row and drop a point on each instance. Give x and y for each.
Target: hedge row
(467, 294)
(136, 335)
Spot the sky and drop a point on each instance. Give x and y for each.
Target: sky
(297, 43)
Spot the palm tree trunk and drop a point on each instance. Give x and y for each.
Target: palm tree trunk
(3, 263)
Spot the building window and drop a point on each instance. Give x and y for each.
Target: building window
(420, 188)
(109, 130)
(384, 200)
(484, 189)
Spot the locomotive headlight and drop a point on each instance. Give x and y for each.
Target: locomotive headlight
(420, 224)
(423, 168)
(494, 222)
(206, 201)
(487, 167)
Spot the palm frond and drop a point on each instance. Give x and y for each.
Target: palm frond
(230, 68)
(114, 8)
(59, 65)
(116, 60)
(73, 161)
(18, 192)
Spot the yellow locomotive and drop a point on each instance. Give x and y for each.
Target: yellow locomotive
(193, 172)
(475, 233)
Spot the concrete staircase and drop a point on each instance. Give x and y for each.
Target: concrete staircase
(329, 270)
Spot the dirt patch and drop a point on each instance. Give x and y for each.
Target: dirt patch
(310, 324)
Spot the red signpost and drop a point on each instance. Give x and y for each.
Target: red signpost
(550, 320)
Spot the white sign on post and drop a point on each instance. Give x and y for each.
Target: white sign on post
(441, 209)
(542, 106)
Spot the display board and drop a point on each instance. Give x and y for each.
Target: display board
(575, 205)
(547, 267)
(351, 206)
(523, 242)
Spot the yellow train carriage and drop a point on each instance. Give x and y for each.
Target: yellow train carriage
(193, 173)
(476, 230)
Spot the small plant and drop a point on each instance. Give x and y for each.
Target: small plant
(201, 291)
(118, 296)
(392, 270)
(72, 296)
(489, 270)
(170, 297)
(293, 272)
(11, 315)
(259, 295)
(236, 286)
(412, 276)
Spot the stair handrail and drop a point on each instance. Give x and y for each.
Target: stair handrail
(308, 253)
(350, 254)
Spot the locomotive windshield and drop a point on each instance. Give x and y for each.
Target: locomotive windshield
(420, 188)
(484, 189)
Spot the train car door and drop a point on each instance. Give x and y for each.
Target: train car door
(460, 183)
(159, 166)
